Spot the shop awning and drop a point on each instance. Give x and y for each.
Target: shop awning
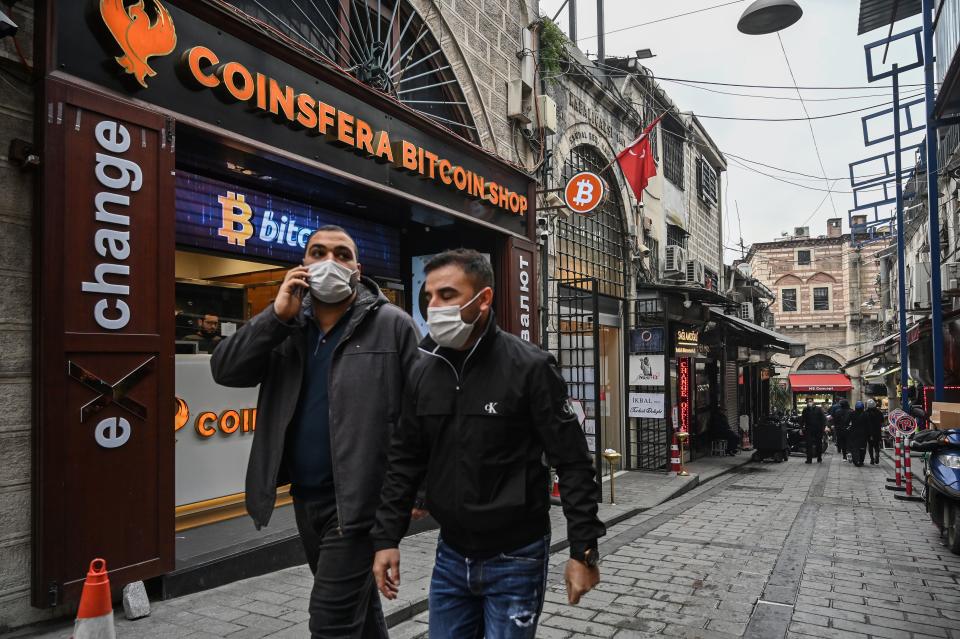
(801, 383)
(880, 373)
(762, 336)
(860, 360)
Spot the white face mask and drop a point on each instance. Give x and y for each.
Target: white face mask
(330, 281)
(447, 328)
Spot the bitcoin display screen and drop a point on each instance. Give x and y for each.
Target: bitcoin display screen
(219, 216)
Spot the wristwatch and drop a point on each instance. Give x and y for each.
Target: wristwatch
(590, 556)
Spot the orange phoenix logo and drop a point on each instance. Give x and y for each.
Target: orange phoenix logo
(182, 415)
(139, 38)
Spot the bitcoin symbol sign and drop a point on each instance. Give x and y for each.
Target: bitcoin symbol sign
(236, 225)
(584, 192)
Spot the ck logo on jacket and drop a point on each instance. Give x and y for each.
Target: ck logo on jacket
(491, 408)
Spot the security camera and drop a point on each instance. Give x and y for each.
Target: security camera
(640, 205)
(645, 252)
(543, 227)
(7, 26)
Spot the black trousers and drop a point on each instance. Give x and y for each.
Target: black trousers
(842, 443)
(873, 445)
(344, 601)
(814, 445)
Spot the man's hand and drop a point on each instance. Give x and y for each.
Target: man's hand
(417, 514)
(295, 283)
(386, 570)
(580, 580)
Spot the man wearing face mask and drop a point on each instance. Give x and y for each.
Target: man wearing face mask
(482, 409)
(330, 356)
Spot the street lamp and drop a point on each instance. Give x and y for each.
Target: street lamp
(769, 16)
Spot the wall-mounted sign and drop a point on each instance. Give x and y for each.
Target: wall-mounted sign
(521, 288)
(222, 75)
(584, 192)
(219, 216)
(649, 405)
(684, 384)
(647, 340)
(686, 342)
(647, 370)
(104, 451)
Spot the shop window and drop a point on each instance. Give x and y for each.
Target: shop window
(804, 257)
(673, 157)
(821, 298)
(788, 300)
(707, 184)
(592, 246)
(676, 236)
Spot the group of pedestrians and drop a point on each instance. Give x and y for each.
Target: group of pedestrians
(372, 427)
(855, 431)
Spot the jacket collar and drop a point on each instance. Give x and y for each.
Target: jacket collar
(369, 298)
(482, 345)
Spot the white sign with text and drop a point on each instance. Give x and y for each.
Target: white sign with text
(648, 405)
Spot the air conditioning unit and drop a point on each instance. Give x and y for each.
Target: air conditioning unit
(675, 261)
(694, 273)
(746, 311)
(949, 275)
(919, 293)
(647, 223)
(801, 231)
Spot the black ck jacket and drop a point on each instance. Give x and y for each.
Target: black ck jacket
(366, 384)
(478, 437)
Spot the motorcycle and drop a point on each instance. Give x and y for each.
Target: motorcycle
(941, 489)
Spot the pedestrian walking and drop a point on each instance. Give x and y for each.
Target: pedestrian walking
(857, 435)
(874, 420)
(483, 408)
(814, 422)
(841, 421)
(329, 339)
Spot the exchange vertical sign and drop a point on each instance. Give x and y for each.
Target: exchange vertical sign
(683, 393)
(104, 438)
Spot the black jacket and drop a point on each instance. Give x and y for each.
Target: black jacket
(366, 384)
(813, 420)
(857, 431)
(874, 423)
(479, 438)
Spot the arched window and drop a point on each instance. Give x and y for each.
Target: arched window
(592, 245)
(819, 363)
(383, 43)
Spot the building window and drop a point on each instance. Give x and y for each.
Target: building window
(706, 181)
(676, 236)
(804, 257)
(788, 300)
(592, 246)
(673, 157)
(821, 298)
(654, 247)
(819, 363)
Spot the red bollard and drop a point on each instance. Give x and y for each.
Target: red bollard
(909, 496)
(897, 448)
(675, 455)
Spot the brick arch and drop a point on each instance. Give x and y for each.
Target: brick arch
(788, 280)
(821, 278)
(829, 352)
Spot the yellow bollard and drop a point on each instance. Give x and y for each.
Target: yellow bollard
(612, 458)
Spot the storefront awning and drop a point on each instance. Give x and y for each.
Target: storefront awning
(860, 360)
(763, 337)
(880, 373)
(801, 383)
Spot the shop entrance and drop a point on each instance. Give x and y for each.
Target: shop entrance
(611, 390)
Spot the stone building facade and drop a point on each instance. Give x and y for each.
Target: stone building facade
(827, 295)
(486, 46)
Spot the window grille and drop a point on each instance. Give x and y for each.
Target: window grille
(676, 236)
(788, 300)
(673, 157)
(821, 299)
(804, 258)
(706, 181)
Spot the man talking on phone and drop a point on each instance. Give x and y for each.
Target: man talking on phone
(330, 356)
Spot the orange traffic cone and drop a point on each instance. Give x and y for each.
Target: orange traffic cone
(95, 615)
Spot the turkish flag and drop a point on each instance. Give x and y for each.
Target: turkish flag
(637, 163)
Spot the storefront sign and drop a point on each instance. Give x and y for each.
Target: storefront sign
(219, 76)
(686, 342)
(584, 192)
(684, 383)
(216, 215)
(646, 340)
(520, 275)
(648, 405)
(214, 428)
(647, 370)
(104, 463)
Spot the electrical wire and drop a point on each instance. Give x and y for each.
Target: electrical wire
(657, 21)
(784, 97)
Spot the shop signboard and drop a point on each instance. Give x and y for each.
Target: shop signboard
(647, 405)
(647, 340)
(214, 428)
(521, 320)
(647, 370)
(230, 75)
(686, 342)
(104, 450)
(219, 216)
(684, 384)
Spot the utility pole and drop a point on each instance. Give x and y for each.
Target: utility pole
(573, 22)
(901, 267)
(601, 45)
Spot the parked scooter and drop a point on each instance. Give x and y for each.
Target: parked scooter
(942, 480)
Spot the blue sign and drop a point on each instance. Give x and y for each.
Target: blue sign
(646, 340)
(220, 216)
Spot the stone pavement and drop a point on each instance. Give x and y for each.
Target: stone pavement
(274, 605)
(769, 551)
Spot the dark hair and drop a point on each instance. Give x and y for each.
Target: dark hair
(333, 228)
(475, 266)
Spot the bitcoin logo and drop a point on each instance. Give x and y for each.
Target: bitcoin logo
(236, 226)
(584, 192)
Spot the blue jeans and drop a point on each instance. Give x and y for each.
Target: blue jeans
(497, 598)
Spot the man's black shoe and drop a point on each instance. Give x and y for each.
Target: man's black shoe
(819, 461)
(808, 462)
